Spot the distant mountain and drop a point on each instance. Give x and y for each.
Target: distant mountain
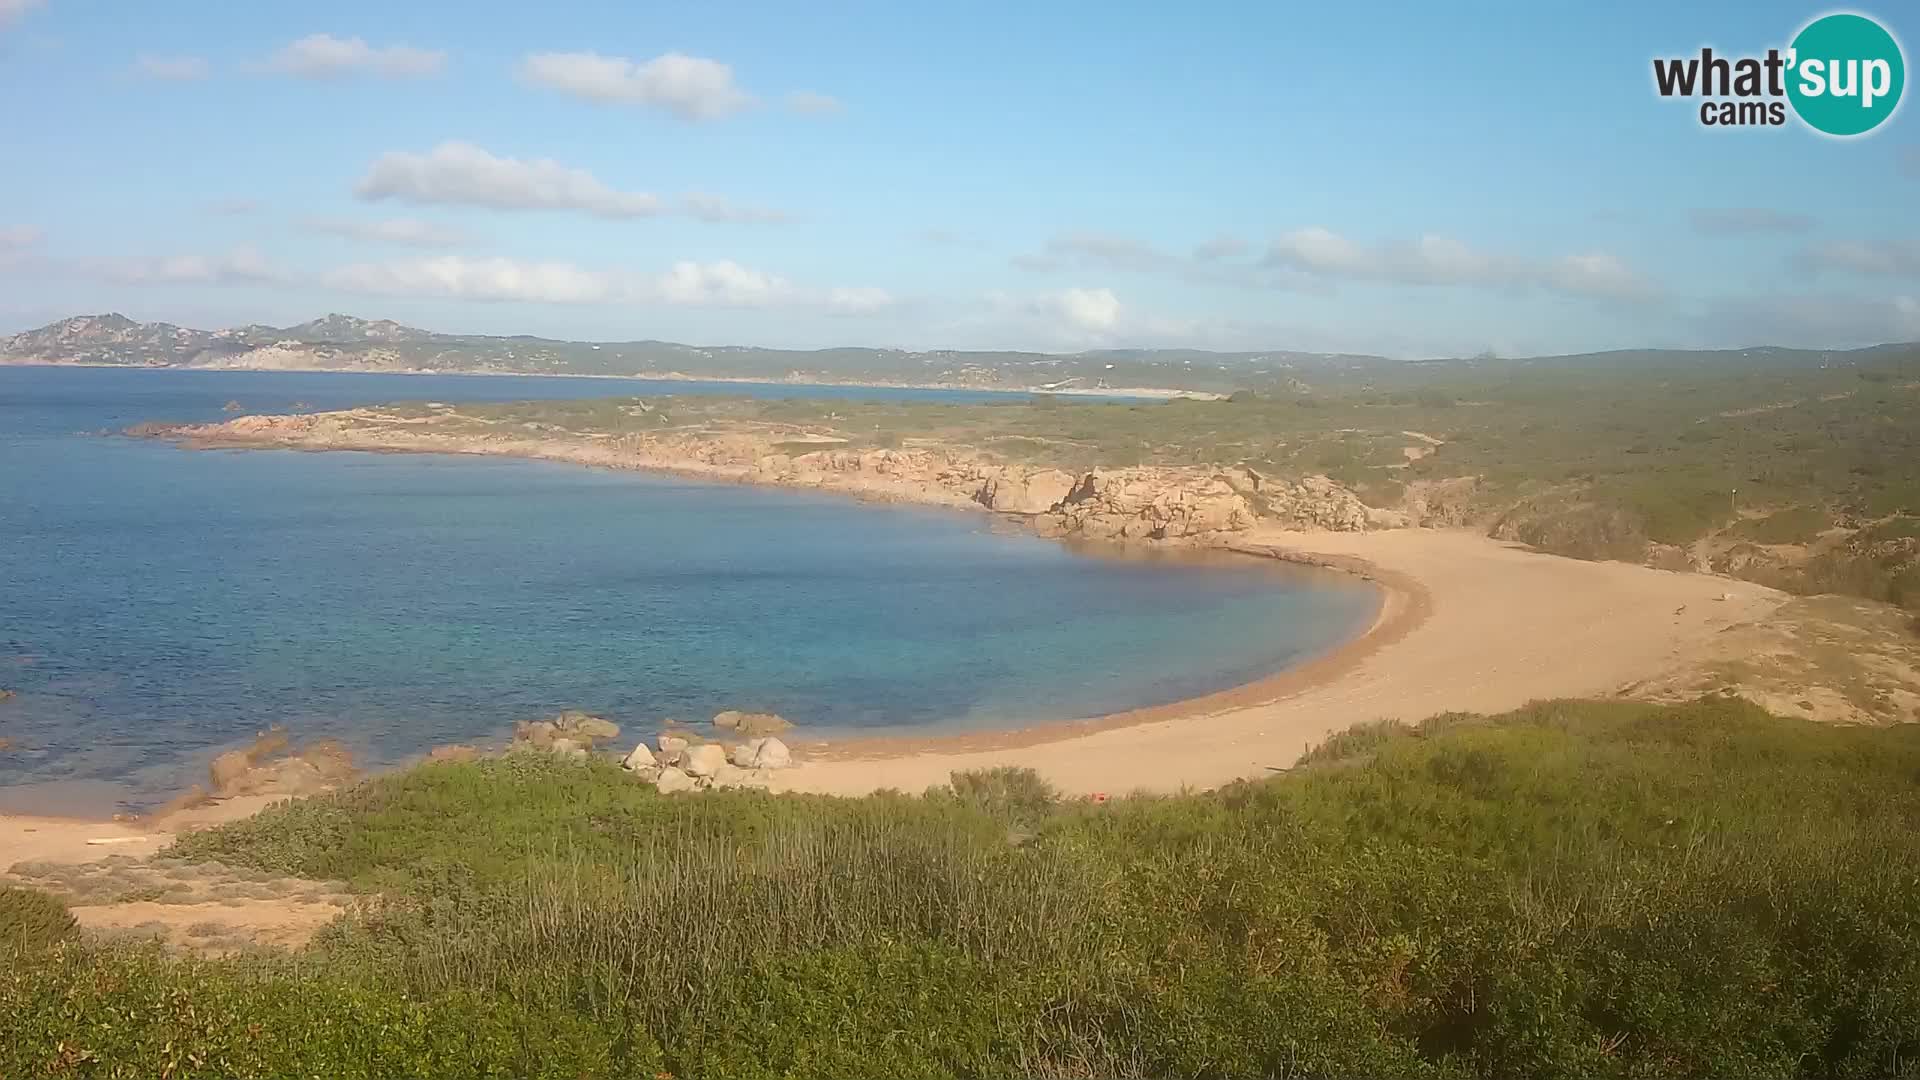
(346, 328)
(340, 342)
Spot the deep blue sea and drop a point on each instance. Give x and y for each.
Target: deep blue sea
(158, 605)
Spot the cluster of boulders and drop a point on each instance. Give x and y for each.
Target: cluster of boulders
(682, 764)
(679, 760)
(572, 733)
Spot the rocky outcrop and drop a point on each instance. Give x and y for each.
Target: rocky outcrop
(751, 725)
(271, 767)
(570, 731)
(684, 766)
(1449, 502)
(1148, 504)
(1312, 502)
(1136, 503)
(1013, 490)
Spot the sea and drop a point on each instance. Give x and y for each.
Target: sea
(159, 605)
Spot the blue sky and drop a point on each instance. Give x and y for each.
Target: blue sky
(1408, 179)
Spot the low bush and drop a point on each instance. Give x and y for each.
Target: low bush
(1572, 890)
(31, 921)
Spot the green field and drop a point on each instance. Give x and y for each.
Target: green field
(1572, 890)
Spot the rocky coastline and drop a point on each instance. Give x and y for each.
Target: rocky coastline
(1194, 505)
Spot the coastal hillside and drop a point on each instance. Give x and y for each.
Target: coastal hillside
(1807, 480)
(1571, 890)
(338, 342)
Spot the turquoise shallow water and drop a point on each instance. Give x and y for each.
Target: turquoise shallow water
(158, 604)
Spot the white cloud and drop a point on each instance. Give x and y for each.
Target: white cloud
(1317, 250)
(242, 265)
(1089, 309)
(720, 209)
(1596, 274)
(477, 279)
(690, 87)
(407, 232)
(1747, 219)
(170, 68)
(464, 174)
(725, 283)
(808, 103)
(1892, 258)
(1434, 260)
(858, 301)
(13, 9)
(320, 56)
(722, 283)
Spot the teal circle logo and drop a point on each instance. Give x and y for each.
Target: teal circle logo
(1845, 76)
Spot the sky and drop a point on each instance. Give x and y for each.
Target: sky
(1403, 179)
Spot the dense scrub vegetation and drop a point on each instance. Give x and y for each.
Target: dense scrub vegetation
(1602, 459)
(1575, 889)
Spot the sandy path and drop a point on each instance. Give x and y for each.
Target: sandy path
(1504, 626)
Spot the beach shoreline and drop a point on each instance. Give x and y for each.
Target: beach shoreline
(1436, 590)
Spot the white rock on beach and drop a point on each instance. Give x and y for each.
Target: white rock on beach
(732, 776)
(671, 748)
(772, 754)
(703, 760)
(641, 758)
(672, 780)
(742, 755)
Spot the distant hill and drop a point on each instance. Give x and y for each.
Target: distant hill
(340, 342)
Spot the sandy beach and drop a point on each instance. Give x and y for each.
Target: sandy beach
(1490, 627)
(1467, 623)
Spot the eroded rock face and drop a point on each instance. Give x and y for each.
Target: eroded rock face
(1314, 502)
(1149, 504)
(1014, 490)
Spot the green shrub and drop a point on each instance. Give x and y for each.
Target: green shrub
(32, 921)
(1573, 889)
(1007, 793)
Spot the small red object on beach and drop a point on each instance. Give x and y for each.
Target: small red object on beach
(1098, 796)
